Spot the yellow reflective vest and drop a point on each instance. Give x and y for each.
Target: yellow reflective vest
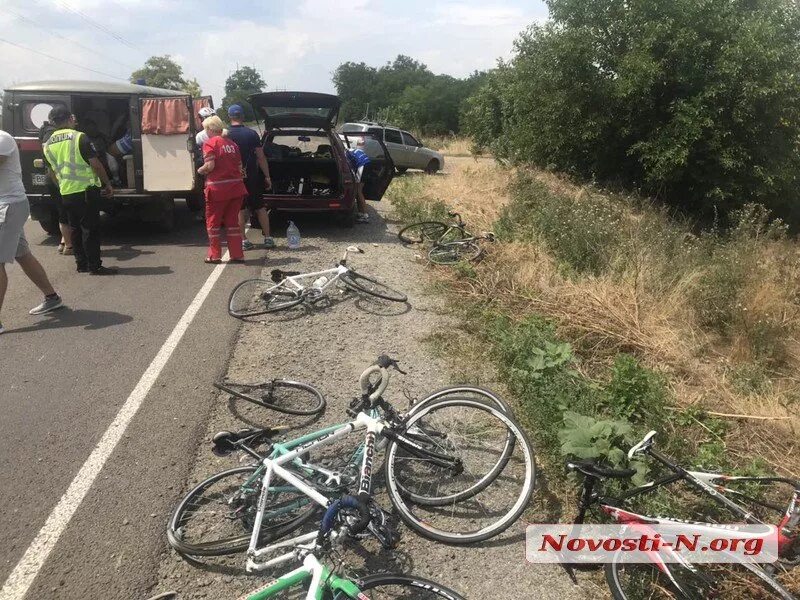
(63, 153)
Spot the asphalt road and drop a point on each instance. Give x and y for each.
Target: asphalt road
(63, 378)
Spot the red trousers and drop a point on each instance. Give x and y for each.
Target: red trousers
(222, 212)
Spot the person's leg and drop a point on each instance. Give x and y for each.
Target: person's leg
(3, 286)
(36, 273)
(263, 221)
(233, 232)
(75, 205)
(214, 214)
(66, 235)
(90, 227)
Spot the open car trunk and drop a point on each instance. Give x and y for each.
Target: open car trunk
(303, 165)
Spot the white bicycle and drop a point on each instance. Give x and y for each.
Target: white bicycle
(286, 289)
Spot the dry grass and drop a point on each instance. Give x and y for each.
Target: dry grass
(643, 305)
(450, 145)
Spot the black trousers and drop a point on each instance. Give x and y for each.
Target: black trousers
(83, 213)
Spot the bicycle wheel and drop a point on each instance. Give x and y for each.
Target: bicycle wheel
(254, 297)
(638, 581)
(282, 395)
(453, 252)
(425, 231)
(464, 391)
(396, 587)
(373, 287)
(437, 442)
(217, 516)
(484, 494)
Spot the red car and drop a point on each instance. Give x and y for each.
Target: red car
(307, 159)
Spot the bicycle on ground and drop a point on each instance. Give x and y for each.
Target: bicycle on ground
(451, 242)
(319, 581)
(286, 289)
(660, 579)
(443, 462)
(282, 395)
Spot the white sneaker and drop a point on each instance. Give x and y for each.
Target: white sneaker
(49, 305)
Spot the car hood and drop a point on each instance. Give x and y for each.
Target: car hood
(297, 109)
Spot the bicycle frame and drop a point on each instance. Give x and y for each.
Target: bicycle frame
(710, 484)
(275, 468)
(294, 282)
(322, 579)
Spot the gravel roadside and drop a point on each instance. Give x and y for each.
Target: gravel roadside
(328, 346)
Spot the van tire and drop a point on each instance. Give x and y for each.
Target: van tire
(167, 221)
(50, 225)
(432, 167)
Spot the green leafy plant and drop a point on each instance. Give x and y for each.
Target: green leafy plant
(585, 437)
(635, 392)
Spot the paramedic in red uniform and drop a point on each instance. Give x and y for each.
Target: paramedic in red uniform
(225, 191)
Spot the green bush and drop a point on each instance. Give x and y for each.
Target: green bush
(410, 204)
(694, 102)
(635, 392)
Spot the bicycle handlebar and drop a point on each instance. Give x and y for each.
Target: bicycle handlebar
(382, 366)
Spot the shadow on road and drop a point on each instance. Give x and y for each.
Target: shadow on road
(89, 320)
(144, 271)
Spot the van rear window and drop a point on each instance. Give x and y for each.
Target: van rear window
(34, 114)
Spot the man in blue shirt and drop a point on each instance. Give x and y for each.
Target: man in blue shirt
(253, 159)
(358, 159)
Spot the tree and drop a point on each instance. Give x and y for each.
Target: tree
(403, 92)
(163, 72)
(697, 103)
(240, 84)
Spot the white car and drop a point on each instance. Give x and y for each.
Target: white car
(405, 150)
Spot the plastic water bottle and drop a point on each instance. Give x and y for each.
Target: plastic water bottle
(292, 236)
(320, 282)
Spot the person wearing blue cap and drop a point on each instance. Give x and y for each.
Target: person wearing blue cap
(253, 159)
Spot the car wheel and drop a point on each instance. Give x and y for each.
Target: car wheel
(50, 225)
(432, 167)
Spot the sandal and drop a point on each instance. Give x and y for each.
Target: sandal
(68, 251)
(212, 261)
(60, 248)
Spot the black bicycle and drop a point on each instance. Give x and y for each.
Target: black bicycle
(283, 395)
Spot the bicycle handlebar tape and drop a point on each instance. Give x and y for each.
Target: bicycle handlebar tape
(333, 510)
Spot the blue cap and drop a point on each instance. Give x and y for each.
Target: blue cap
(235, 110)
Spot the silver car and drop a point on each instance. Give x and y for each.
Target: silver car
(405, 150)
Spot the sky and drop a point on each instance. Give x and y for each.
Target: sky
(296, 45)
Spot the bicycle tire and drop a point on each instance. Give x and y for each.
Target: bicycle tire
(697, 584)
(459, 392)
(361, 283)
(503, 423)
(463, 391)
(277, 401)
(413, 588)
(235, 543)
(256, 303)
(454, 252)
(416, 233)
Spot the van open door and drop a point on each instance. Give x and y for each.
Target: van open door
(167, 144)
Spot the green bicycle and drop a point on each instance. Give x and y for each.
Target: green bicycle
(220, 514)
(323, 583)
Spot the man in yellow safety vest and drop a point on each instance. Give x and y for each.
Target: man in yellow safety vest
(77, 170)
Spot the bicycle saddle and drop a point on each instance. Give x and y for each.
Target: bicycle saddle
(226, 442)
(592, 469)
(278, 275)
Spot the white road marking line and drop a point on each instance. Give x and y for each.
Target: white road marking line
(21, 578)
